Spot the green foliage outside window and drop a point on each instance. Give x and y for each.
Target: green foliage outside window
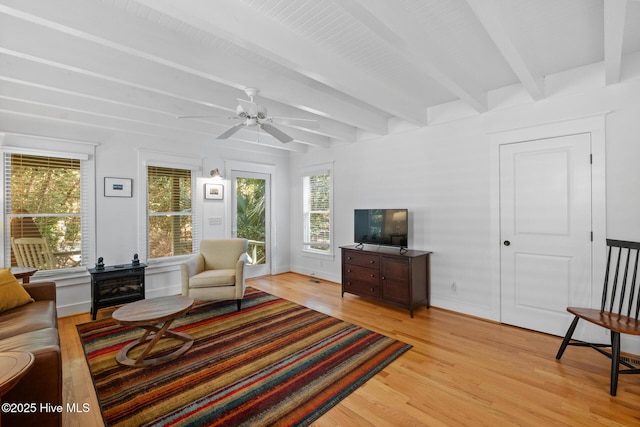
(170, 214)
(251, 213)
(44, 196)
(317, 211)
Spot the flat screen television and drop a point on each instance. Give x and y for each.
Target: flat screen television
(385, 227)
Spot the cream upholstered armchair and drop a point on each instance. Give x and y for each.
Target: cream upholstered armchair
(217, 272)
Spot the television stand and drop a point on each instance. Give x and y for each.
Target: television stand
(360, 247)
(383, 274)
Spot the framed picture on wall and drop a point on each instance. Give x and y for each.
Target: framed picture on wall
(118, 187)
(213, 191)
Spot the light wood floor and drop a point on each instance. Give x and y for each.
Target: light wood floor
(460, 371)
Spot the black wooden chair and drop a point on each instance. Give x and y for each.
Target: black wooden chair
(619, 309)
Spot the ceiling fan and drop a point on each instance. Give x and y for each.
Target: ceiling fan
(253, 115)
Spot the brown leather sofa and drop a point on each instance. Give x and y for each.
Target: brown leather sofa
(33, 327)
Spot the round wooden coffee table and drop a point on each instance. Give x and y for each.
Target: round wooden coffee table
(148, 314)
(13, 366)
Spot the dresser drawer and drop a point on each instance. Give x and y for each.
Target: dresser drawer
(362, 259)
(361, 274)
(361, 280)
(361, 287)
(364, 289)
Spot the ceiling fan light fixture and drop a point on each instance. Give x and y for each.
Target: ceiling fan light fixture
(255, 115)
(261, 112)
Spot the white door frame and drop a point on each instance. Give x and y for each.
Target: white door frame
(234, 165)
(595, 126)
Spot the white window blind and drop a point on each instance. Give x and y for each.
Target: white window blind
(46, 199)
(170, 220)
(317, 205)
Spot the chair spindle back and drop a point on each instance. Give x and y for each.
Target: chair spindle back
(33, 252)
(621, 292)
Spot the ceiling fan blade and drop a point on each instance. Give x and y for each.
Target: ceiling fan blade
(210, 117)
(276, 133)
(307, 123)
(231, 131)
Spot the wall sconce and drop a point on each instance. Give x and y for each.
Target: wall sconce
(215, 174)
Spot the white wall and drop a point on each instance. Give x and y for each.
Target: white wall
(117, 218)
(442, 172)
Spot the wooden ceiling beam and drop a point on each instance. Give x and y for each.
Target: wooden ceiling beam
(615, 13)
(15, 112)
(281, 45)
(133, 74)
(140, 38)
(60, 106)
(411, 50)
(489, 14)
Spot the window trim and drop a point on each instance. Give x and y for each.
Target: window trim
(69, 149)
(167, 160)
(174, 172)
(311, 171)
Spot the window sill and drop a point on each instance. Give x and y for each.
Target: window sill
(169, 260)
(317, 254)
(67, 277)
(166, 263)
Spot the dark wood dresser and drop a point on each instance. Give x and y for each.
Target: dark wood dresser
(116, 284)
(387, 274)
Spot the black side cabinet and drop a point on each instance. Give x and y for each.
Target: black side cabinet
(115, 285)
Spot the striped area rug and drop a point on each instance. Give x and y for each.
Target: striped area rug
(272, 363)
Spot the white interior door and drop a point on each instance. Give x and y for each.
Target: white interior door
(251, 205)
(545, 227)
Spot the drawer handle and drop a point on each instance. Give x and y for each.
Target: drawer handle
(371, 261)
(372, 289)
(372, 275)
(348, 270)
(348, 257)
(383, 278)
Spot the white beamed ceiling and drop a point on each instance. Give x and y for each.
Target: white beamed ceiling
(89, 69)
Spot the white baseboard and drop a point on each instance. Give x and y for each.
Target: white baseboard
(85, 306)
(319, 274)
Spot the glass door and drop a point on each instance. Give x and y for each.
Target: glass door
(251, 218)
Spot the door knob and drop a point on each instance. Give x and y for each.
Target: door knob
(507, 243)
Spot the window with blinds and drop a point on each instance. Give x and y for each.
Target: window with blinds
(43, 205)
(317, 211)
(170, 214)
